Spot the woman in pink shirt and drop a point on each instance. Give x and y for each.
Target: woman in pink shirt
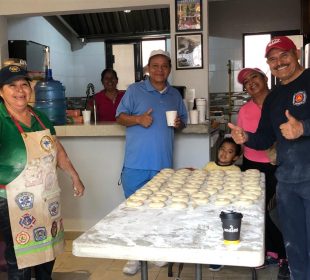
(254, 82)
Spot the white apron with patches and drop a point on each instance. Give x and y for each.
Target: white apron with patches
(34, 202)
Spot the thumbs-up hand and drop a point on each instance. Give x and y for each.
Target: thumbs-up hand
(293, 128)
(145, 119)
(238, 134)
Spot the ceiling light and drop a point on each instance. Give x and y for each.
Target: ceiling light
(127, 11)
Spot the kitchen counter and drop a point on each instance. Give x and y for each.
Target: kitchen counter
(113, 129)
(97, 153)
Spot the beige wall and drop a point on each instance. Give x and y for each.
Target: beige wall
(197, 79)
(3, 39)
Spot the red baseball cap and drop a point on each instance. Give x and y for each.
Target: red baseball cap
(282, 43)
(245, 71)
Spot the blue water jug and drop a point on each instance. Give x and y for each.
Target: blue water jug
(50, 99)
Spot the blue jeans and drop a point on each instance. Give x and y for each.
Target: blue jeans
(134, 179)
(42, 271)
(293, 201)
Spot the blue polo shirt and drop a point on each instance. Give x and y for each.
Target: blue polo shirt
(150, 148)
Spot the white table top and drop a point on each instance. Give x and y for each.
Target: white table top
(192, 235)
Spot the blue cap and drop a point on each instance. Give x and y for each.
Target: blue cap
(11, 73)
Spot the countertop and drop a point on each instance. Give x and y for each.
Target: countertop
(114, 129)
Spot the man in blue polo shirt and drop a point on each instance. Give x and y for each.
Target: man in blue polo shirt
(149, 141)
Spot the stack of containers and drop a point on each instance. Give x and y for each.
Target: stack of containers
(201, 104)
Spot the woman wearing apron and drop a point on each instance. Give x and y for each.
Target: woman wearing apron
(30, 219)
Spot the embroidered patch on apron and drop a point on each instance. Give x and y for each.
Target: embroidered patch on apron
(47, 143)
(53, 208)
(39, 233)
(24, 200)
(54, 229)
(27, 221)
(22, 238)
(61, 226)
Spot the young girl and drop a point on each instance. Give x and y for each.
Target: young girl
(227, 154)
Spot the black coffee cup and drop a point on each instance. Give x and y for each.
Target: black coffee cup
(231, 223)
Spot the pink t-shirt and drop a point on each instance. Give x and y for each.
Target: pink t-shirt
(248, 118)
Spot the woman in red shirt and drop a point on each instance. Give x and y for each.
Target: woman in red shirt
(107, 99)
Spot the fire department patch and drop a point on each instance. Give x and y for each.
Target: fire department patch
(54, 229)
(24, 200)
(39, 233)
(22, 238)
(27, 221)
(299, 98)
(61, 225)
(53, 208)
(47, 143)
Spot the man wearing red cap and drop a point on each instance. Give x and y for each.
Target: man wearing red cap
(286, 120)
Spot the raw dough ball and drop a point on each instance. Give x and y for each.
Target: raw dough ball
(153, 184)
(163, 192)
(211, 191)
(178, 205)
(134, 203)
(180, 193)
(248, 196)
(233, 184)
(159, 197)
(222, 201)
(173, 185)
(225, 196)
(144, 191)
(233, 192)
(166, 171)
(180, 199)
(233, 173)
(254, 192)
(200, 194)
(190, 190)
(200, 200)
(138, 196)
(192, 186)
(173, 189)
(157, 204)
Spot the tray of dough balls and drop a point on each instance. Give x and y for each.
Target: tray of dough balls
(184, 188)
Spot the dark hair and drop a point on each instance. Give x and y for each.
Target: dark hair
(108, 70)
(231, 141)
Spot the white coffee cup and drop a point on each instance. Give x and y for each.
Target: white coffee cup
(86, 116)
(171, 116)
(201, 102)
(201, 115)
(190, 104)
(193, 116)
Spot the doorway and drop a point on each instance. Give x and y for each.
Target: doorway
(129, 59)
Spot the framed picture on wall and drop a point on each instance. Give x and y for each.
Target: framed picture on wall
(189, 51)
(188, 15)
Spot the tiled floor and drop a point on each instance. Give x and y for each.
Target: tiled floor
(69, 267)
